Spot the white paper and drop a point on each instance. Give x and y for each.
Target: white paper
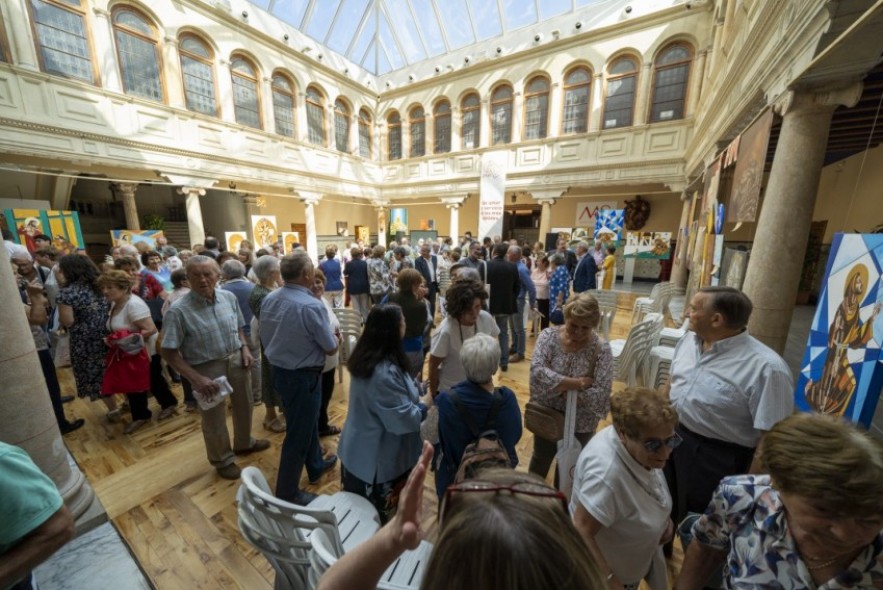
(225, 390)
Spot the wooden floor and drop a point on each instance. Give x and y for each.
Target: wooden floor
(179, 518)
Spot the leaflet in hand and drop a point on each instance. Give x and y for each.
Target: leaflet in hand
(225, 390)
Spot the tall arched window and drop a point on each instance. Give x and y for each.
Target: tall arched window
(394, 136)
(577, 89)
(137, 53)
(341, 126)
(246, 99)
(364, 134)
(62, 37)
(622, 79)
(501, 115)
(536, 108)
(198, 72)
(315, 116)
(283, 105)
(417, 122)
(441, 116)
(671, 73)
(470, 127)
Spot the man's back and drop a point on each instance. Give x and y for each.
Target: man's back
(502, 276)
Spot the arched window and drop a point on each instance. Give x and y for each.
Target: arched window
(283, 105)
(199, 75)
(441, 115)
(417, 121)
(315, 116)
(394, 136)
(137, 53)
(622, 79)
(62, 37)
(364, 134)
(501, 115)
(577, 87)
(341, 126)
(671, 73)
(470, 127)
(246, 100)
(536, 108)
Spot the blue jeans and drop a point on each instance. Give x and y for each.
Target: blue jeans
(301, 393)
(517, 322)
(503, 320)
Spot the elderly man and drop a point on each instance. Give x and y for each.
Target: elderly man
(427, 264)
(474, 260)
(233, 275)
(203, 340)
(297, 336)
(585, 271)
(728, 389)
(519, 344)
(568, 254)
(502, 276)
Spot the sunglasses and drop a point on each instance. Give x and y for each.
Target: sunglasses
(654, 444)
(538, 490)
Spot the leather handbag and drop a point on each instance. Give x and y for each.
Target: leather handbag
(543, 421)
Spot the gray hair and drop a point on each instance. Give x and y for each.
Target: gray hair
(514, 251)
(264, 267)
(198, 260)
(232, 269)
(467, 273)
(480, 356)
(294, 265)
(584, 245)
(129, 250)
(558, 259)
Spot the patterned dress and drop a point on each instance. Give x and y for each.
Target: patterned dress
(87, 337)
(559, 282)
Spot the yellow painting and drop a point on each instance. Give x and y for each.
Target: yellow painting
(291, 239)
(263, 227)
(234, 239)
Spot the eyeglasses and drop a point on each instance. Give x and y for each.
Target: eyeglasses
(654, 444)
(518, 489)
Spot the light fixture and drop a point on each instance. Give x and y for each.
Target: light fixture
(437, 69)
(466, 59)
(578, 25)
(499, 50)
(285, 36)
(319, 57)
(537, 38)
(411, 77)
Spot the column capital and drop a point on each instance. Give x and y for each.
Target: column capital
(126, 188)
(103, 13)
(818, 99)
(380, 205)
(547, 195)
(453, 202)
(308, 197)
(251, 200)
(169, 40)
(191, 190)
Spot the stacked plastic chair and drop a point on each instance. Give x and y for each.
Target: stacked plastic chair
(607, 304)
(350, 330)
(658, 301)
(659, 366)
(631, 355)
(671, 336)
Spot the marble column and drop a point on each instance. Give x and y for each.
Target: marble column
(195, 224)
(679, 264)
(517, 117)
(454, 203)
(126, 191)
(697, 77)
(380, 208)
(641, 115)
(596, 104)
(545, 215)
(776, 261)
(484, 124)
(456, 126)
(310, 200)
(553, 129)
(300, 114)
(21, 36)
(27, 420)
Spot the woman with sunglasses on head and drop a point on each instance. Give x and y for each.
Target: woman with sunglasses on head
(506, 531)
(620, 502)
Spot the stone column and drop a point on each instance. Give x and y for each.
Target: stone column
(21, 36)
(225, 91)
(694, 90)
(27, 420)
(517, 117)
(596, 105)
(310, 200)
(555, 111)
(456, 125)
(380, 207)
(453, 203)
(484, 124)
(546, 198)
(126, 191)
(773, 273)
(105, 51)
(641, 115)
(195, 225)
(679, 264)
(172, 74)
(268, 117)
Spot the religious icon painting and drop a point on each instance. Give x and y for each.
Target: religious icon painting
(842, 369)
(263, 228)
(234, 239)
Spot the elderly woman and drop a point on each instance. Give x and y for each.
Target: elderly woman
(474, 397)
(233, 280)
(266, 270)
(566, 358)
(559, 285)
(378, 274)
(153, 265)
(620, 501)
(465, 319)
(331, 361)
(410, 297)
(540, 277)
(333, 281)
(381, 437)
(812, 521)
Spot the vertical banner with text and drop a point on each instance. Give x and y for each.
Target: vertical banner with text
(492, 189)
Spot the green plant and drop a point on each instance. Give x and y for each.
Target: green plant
(153, 221)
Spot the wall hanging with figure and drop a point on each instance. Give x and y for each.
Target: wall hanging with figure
(62, 226)
(264, 230)
(842, 369)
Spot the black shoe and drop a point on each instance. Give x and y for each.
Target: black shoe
(504, 369)
(327, 466)
(303, 498)
(71, 426)
(66, 399)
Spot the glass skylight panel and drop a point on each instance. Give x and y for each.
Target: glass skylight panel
(486, 17)
(291, 11)
(383, 66)
(519, 13)
(406, 30)
(347, 24)
(456, 22)
(429, 26)
(320, 19)
(368, 33)
(261, 4)
(370, 60)
(550, 8)
(388, 42)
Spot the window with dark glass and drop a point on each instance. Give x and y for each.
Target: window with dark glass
(501, 115)
(470, 127)
(418, 132)
(62, 39)
(394, 136)
(137, 54)
(364, 134)
(536, 108)
(671, 73)
(283, 105)
(315, 117)
(246, 101)
(577, 87)
(622, 79)
(199, 76)
(341, 126)
(441, 116)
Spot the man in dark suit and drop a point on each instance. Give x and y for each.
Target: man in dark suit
(568, 254)
(502, 276)
(427, 264)
(584, 273)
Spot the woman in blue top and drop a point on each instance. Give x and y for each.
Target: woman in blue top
(480, 356)
(331, 267)
(381, 436)
(559, 287)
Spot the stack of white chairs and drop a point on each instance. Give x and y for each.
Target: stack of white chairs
(631, 355)
(659, 366)
(607, 303)
(658, 301)
(671, 336)
(283, 532)
(350, 330)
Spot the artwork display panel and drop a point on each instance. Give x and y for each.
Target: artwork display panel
(264, 230)
(651, 245)
(290, 239)
(62, 226)
(121, 237)
(234, 239)
(609, 225)
(748, 176)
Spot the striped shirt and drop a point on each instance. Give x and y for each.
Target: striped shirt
(203, 330)
(734, 391)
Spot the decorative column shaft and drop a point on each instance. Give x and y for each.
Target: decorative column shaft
(454, 203)
(310, 199)
(597, 103)
(195, 224)
(126, 191)
(545, 218)
(381, 223)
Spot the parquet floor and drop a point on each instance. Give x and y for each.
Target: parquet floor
(179, 518)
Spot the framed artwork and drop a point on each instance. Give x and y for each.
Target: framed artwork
(609, 224)
(398, 220)
(363, 234)
(234, 239)
(264, 230)
(129, 236)
(289, 240)
(748, 176)
(62, 226)
(653, 245)
(342, 228)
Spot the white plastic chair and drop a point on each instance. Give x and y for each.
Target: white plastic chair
(630, 355)
(350, 330)
(671, 336)
(659, 370)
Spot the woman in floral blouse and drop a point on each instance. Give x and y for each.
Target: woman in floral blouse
(567, 358)
(559, 285)
(814, 521)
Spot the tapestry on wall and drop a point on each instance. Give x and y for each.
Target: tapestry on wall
(234, 239)
(62, 226)
(120, 237)
(647, 244)
(842, 369)
(264, 230)
(609, 225)
(748, 176)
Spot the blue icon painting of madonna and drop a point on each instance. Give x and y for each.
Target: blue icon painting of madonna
(842, 369)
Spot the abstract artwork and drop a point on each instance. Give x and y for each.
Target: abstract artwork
(62, 226)
(647, 244)
(842, 369)
(263, 228)
(608, 226)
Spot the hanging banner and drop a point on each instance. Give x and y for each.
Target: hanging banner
(712, 184)
(263, 228)
(747, 179)
(121, 237)
(491, 193)
(234, 239)
(62, 226)
(588, 211)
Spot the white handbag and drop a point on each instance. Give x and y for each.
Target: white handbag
(568, 447)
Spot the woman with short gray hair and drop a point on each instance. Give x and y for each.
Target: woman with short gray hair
(266, 269)
(477, 400)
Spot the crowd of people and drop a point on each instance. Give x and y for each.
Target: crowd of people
(764, 497)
